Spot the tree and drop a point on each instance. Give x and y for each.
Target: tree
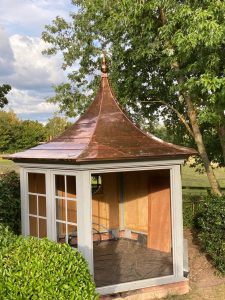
(55, 126)
(9, 127)
(18, 135)
(31, 133)
(165, 54)
(4, 89)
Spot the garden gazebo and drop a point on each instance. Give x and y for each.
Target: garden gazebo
(111, 190)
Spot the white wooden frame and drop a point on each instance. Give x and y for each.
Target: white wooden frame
(84, 207)
(53, 173)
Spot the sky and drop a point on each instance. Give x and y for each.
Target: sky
(22, 65)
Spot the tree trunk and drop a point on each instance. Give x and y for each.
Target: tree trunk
(201, 147)
(194, 124)
(221, 134)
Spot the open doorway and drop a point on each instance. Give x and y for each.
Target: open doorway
(131, 220)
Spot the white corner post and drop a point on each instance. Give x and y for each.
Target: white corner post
(177, 220)
(23, 197)
(84, 216)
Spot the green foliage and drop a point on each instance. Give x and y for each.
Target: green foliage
(18, 135)
(31, 133)
(7, 238)
(42, 269)
(4, 90)
(191, 205)
(9, 125)
(10, 201)
(211, 227)
(159, 51)
(55, 126)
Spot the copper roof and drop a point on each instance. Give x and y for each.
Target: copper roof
(103, 132)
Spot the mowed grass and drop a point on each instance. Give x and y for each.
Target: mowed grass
(196, 183)
(192, 178)
(7, 165)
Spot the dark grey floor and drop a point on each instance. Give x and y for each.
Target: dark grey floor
(126, 260)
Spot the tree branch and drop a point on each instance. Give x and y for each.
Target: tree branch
(179, 115)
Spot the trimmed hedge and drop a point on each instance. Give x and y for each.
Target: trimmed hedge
(10, 201)
(190, 209)
(210, 222)
(42, 269)
(7, 238)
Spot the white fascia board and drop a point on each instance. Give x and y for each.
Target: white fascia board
(106, 166)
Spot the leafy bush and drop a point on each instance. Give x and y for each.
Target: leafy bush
(42, 269)
(191, 205)
(7, 238)
(10, 201)
(211, 229)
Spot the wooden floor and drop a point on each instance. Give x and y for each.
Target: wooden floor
(127, 260)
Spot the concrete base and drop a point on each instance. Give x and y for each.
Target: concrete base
(155, 292)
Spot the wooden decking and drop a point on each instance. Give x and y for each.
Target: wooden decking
(126, 260)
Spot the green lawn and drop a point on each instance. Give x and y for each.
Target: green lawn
(198, 182)
(7, 165)
(193, 179)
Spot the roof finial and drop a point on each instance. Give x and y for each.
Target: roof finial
(104, 68)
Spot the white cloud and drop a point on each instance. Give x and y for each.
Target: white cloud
(25, 102)
(31, 15)
(6, 54)
(30, 74)
(33, 70)
(22, 64)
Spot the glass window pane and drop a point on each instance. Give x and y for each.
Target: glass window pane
(33, 226)
(42, 228)
(33, 204)
(60, 185)
(72, 235)
(96, 184)
(61, 209)
(36, 183)
(71, 186)
(61, 232)
(42, 206)
(72, 211)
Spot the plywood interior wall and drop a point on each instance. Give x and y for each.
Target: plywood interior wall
(36, 183)
(159, 212)
(136, 190)
(105, 205)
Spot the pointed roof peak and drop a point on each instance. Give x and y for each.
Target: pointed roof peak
(103, 133)
(104, 68)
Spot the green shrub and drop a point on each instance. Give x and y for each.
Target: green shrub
(191, 205)
(42, 269)
(10, 201)
(211, 229)
(7, 238)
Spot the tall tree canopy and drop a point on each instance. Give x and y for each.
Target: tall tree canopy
(166, 58)
(18, 135)
(4, 89)
(55, 126)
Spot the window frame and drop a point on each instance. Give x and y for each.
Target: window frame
(65, 198)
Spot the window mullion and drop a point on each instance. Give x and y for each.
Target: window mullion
(66, 208)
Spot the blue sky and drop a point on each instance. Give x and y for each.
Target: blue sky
(22, 65)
